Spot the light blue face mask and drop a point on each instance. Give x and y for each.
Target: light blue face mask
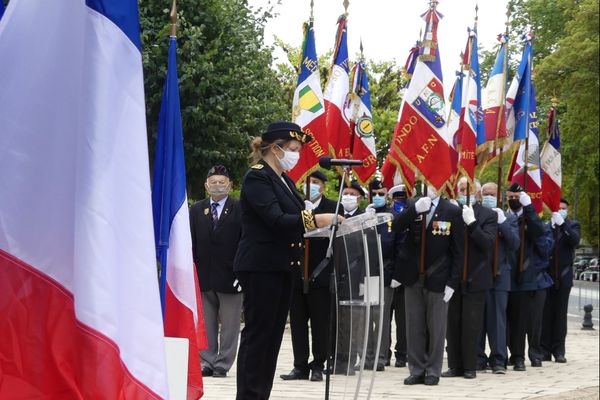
(378, 200)
(563, 213)
(462, 199)
(314, 191)
(489, 201)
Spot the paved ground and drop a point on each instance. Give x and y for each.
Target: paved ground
(578, 379)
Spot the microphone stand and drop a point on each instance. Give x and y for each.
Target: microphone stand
(322, 265)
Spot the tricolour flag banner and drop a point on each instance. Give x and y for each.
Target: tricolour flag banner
(420, 136)
(525, 166)
(471, 130)
(453, 122)
(493, 102)
(180, 291)
(79, 299)
(337, 97)
(308, 110)
(362, 144)
(551, 164)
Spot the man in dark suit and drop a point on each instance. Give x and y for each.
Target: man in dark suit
(215, 223)
(497, 297)
(524, 299)
(313, 305)
(428, 287)
(567, 233)
(466, 308)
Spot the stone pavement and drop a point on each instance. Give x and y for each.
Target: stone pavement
(578, 379)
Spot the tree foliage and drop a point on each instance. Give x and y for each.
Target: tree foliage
(227, 88)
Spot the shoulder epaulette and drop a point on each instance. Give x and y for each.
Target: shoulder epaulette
(257, 166)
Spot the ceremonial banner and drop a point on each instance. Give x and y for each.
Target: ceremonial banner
(180, 291)
(362, 144)
(420, 135)
(337, 97)
(494, 94)
(471, 127)
(308, 110)
(528, 159)
(79, 298)
(551, 164)
(453, 127)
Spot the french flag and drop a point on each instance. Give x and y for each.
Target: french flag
(80, 312)
(494, 111)
(180, 292)
(552, 164)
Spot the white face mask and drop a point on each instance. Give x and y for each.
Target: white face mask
(349, 202)
(289, 159)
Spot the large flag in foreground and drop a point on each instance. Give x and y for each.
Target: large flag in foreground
(362, 144)
(337, 96)
(551, 164)
(79, 301)
(420, 135)
(309, 108)
(180, 292)
(1, 8)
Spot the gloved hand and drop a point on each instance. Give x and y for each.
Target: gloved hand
(309, 205)
(453, 201)
(237, 286)
(448, 292)
(468, 215)
(501, 216)
(395, 284)
(524, 199)
(370, 209)
(557, 219)
(423, 205)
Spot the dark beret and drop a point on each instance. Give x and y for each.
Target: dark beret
(355, 185)
(376, 184)
(319, 175)
(218, 170)
(285, 130)
(515, 187)
(563, 200)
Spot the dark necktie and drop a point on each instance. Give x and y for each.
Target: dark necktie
(214, 213)
(347, 215)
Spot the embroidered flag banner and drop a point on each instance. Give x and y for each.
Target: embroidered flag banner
(552, 164)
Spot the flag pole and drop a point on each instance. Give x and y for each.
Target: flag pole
(173, 15)
(499, 197)
(551, 125)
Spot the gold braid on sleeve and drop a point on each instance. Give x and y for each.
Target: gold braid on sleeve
(308, 220)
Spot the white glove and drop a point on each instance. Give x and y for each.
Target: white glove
(524, 199)
(557, 219)
(468, 215)
(395, 284)
(448, 292)
(501, 216)
(423, 205)
(361, 289)
(309, 205)
(454, 202)
(370, 209)
(237, 286)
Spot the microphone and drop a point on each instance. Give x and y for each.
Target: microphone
(328, 162)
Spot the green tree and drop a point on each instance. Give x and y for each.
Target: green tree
(228, 90)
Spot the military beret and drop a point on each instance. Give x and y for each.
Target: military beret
(285, 130)
(319, 175)
(355, 185)
(376, 184)
(515, 187)
(218, 170)
(563, 200)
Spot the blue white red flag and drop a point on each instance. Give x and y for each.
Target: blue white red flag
(308, 109)
(525, 167)
(79, 298)
(180, 291)
(337, 97)
(453, 124)
(420, 137)
(362, 143)
(494, 104)
(552, 164)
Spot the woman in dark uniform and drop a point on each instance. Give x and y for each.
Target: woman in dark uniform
(271, 247)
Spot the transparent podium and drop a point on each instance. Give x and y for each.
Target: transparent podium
(358, 306)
